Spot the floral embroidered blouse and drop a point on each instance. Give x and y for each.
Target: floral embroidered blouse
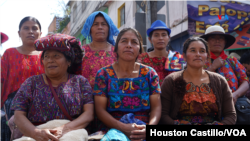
(95, 60)
(198, 104)
(162, 65)
(157, 63)
(126, 95)
(233, 71)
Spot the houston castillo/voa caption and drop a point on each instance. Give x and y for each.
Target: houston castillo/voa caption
(194, 132)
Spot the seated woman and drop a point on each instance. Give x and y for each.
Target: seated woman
(127, 87)
(35, 104)
(194, 95)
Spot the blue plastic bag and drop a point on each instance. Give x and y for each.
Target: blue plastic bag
(116, 135)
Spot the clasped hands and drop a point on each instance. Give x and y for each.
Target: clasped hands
(50, 134)
(135, 132)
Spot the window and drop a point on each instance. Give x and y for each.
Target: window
(138, 9)
(121, 15)
(74, 13)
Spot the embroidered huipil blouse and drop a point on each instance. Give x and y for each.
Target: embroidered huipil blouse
(198, 104)
(35, 97)
(127, 95)
(162, 65)
(95, 60)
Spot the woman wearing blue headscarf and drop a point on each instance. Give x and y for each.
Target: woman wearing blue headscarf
(99, 29)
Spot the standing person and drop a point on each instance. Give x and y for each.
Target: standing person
(194, 95)
(17, 64)
(3, 38)
(227, 66)
(100, 30)
(127, 87)
(245, 61)
(164, 62)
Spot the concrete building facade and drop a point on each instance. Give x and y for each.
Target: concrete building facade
(123, 15)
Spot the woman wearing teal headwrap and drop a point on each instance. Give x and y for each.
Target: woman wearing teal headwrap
(100, 30)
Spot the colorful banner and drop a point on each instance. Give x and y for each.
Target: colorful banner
(232, 16)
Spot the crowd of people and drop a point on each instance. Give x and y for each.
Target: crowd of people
(115, 87)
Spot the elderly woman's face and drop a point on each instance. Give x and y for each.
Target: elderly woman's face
(196, 54)
(216, 43)
(55, 63)
(100, 29)
(128, 46)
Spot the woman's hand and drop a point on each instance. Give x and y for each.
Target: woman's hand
(44, 135)
(128, 128)
(60, 131)
(235, 97)
(139, 134)
(218, 62)
(243, 87)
